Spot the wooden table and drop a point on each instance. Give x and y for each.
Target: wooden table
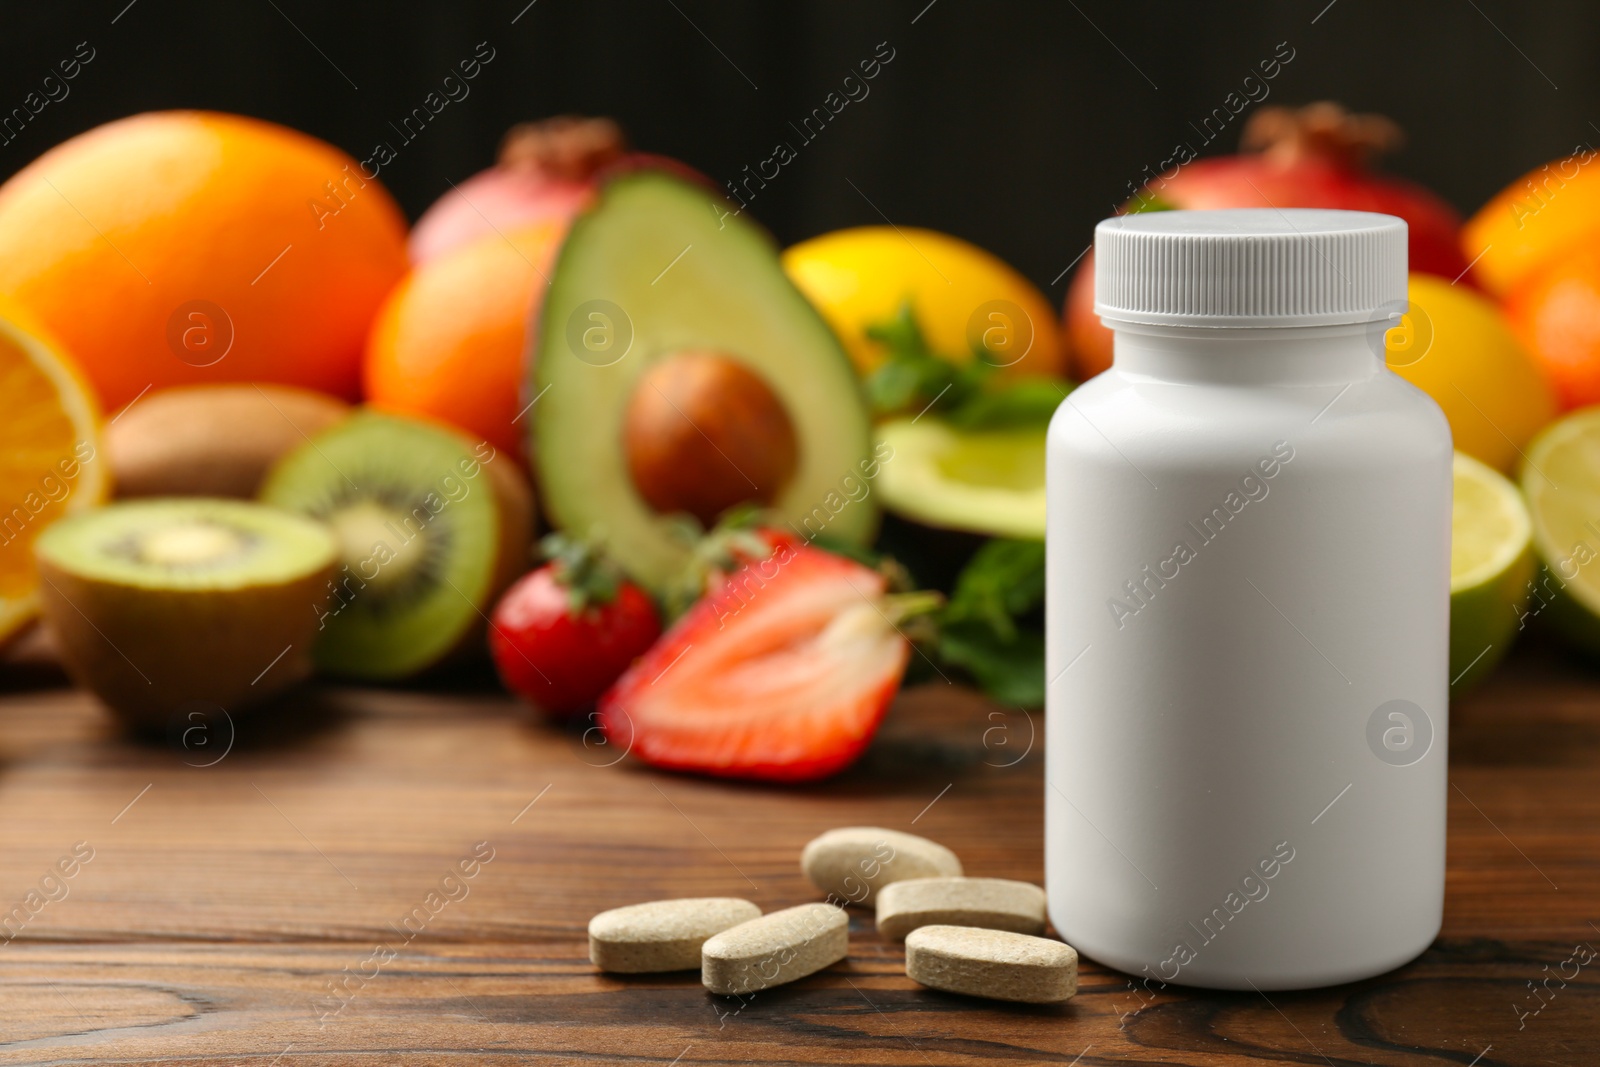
(254, 910)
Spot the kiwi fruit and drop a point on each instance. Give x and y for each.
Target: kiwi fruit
(431, 527)
(212, 440)
(162, 604)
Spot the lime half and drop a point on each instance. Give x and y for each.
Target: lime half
(1491, 561)
(1561, 479)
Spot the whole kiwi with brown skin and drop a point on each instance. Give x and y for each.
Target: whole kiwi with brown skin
(212, 440)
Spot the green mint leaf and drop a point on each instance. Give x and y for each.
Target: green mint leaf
(978, 630)
(1027, 404)
(895, 386)
(1004, 579)
(971, 395)
(901, 333)
(911, 376)
(1009, 671)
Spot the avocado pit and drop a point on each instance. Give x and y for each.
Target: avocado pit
(703, 432)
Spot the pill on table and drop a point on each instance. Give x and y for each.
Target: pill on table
(779, 947)
(992, 903)
(663, 935)
(997, 964)
(853, 862)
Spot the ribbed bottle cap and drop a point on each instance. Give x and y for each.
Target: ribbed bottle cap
(1249, 267)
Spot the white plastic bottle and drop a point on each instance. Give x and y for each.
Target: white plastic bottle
(1248, 612)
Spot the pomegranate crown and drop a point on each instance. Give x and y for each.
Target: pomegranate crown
(566, 146)
(1322, 130)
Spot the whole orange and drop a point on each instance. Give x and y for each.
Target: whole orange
(183, 247)
(449, 342)
(1556, 312)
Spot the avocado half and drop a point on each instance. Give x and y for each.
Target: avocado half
(662, 268)
(979, 481)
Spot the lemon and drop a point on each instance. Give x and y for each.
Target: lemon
(961, 295)
(982, 481)
(1454, 345)
(1561, 480)
(1491, 563)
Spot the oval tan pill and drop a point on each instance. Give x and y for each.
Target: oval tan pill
(992, 903)
(663, 935)
(853, 862)
(778, 947)
(997, 964)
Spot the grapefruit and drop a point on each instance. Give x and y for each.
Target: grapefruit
(1556, 312)
(1536, 220)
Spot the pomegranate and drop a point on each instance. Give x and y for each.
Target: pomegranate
(546, 170)
(1316, 156)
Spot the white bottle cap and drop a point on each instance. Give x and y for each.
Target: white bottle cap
(1250, 267)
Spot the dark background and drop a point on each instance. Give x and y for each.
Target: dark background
(1015, 125)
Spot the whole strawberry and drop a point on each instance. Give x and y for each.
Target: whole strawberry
(564, 632)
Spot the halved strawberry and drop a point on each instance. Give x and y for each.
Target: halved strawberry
(782, 673)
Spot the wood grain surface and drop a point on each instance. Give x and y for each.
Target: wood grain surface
(294, 902)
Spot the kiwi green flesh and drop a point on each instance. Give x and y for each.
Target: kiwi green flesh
(188, 543)
(162, 605)
(417, 524)
(687, 272)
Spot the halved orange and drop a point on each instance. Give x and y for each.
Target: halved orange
(50, 462)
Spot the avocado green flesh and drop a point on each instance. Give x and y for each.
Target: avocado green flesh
(417, 526)
(988, 482)
(678, 270)
(192, 543)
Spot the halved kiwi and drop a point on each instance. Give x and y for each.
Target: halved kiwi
(162, 604)
(430, 528)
